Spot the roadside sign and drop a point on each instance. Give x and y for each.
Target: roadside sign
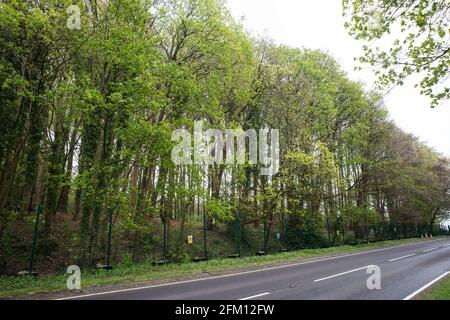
(190, 239)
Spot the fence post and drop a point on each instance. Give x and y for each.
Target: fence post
(238, 233)
(204, 235)
(108, 254)
(33, 246)
(285, 232)
(264, 235)
(365, 227)
(328, 231)
(165, 239)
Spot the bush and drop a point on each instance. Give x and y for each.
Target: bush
(46, 246)
(302, 238)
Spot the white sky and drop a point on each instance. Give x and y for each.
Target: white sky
(318, 24)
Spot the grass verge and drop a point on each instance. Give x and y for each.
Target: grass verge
(439, 291)
(20, 286)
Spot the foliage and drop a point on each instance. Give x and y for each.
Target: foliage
(418, 33)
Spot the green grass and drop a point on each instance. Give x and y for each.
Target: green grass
(19, 286)
(440, 291)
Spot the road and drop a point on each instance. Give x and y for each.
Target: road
(404, 270)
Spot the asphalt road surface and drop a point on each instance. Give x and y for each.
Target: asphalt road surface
(404, 270)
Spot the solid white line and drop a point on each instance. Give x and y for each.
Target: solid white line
(255, 296)
(415, 293)
(342, 273)
(430, 249)
(445, 245)
(247, 272)
(407, 256)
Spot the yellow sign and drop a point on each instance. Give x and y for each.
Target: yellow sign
(190, 239)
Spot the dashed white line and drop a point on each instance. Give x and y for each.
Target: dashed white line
(403, 257)
(415, 293)
(255, 296)
(342, 273)
(430, 249)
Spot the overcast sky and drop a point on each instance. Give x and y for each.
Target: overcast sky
(318, 24)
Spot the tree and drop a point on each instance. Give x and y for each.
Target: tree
(419, 35)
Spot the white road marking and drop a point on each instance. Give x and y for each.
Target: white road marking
(247, 272)
(403, 257)
(255, 296)
(445, 245)
(415, 293)
(430, 249)
(342, 273)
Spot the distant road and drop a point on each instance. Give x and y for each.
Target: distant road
(405, 269)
